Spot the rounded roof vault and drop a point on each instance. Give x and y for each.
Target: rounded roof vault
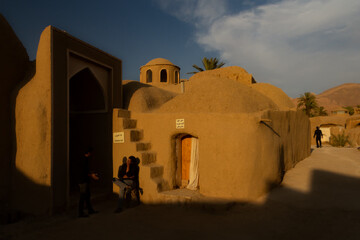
(159, 61)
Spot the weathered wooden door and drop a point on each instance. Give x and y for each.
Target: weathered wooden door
(186, 158)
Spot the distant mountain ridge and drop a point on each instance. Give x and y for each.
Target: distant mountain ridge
(347, 94)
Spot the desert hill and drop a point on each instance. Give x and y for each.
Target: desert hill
(347, 94)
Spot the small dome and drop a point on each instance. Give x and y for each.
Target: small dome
(159, 61)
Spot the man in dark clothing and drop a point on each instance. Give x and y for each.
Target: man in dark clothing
(318, 134)
(128, 177)
(84, 180)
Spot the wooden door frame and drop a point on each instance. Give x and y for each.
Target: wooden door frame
(177, 158)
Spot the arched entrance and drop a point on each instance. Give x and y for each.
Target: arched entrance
(186, 162)
(326, 131)
(89, 126)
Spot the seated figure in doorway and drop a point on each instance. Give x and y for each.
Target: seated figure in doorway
(128, 179)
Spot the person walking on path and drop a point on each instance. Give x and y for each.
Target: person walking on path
(84, 180)
(318, 134)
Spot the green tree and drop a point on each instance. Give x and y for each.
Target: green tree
(339, 140)
(307, 102)
(320, 111)
(350, 110)
(209, 64)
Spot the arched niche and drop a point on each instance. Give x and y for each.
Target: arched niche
(176, 77)
(85, 92)
(163, 75)
(149, 76)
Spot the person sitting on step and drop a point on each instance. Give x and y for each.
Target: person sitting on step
(128, 179)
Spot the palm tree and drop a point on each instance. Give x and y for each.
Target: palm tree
(307, 102)
(321, 111)
(350, 110)
(209, 64)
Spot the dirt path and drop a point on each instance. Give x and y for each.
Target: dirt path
(319, 199)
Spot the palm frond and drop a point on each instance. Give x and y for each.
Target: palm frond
(209, 64)
(198, 68)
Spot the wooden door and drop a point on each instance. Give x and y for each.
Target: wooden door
(186, 157)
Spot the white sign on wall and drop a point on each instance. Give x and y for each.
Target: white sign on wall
(180, 123)
(118, 137)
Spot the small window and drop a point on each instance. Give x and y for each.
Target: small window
(176, 77)
(149, 76)
(163, 76)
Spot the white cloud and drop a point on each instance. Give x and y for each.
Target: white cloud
(198, 12)
(298, 45)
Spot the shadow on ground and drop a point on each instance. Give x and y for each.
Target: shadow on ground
(331, 210)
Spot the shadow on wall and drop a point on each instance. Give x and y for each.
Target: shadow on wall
(14, 62)
(10, 172)
(37, 199)
(129, 89)
(330, 210)
(8, 214)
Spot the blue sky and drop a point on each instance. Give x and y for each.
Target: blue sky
(297, 45)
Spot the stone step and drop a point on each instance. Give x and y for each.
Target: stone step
(147, 157)
(128, 123)
(133, 135)
(122, 113)
(143, 146)
(160, 184)
(136, 135)
(156, 170)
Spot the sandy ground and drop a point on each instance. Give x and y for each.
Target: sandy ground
(318, 199)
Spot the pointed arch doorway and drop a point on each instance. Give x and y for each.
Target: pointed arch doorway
(89, 126)
(187, 162)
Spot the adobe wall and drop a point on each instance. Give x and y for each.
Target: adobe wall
(353, 121)
(41, 174)
(353, 129)
(295, 132)
(32, 175)
(14, 62)
(240, 158)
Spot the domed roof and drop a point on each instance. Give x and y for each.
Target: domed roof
(276, 94)
(159, 61)
(215, 94)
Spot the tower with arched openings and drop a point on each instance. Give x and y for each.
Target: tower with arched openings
(162, 73)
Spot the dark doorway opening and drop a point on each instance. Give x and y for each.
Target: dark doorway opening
(90, 125)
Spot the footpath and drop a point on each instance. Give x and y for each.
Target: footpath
(318, 199)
